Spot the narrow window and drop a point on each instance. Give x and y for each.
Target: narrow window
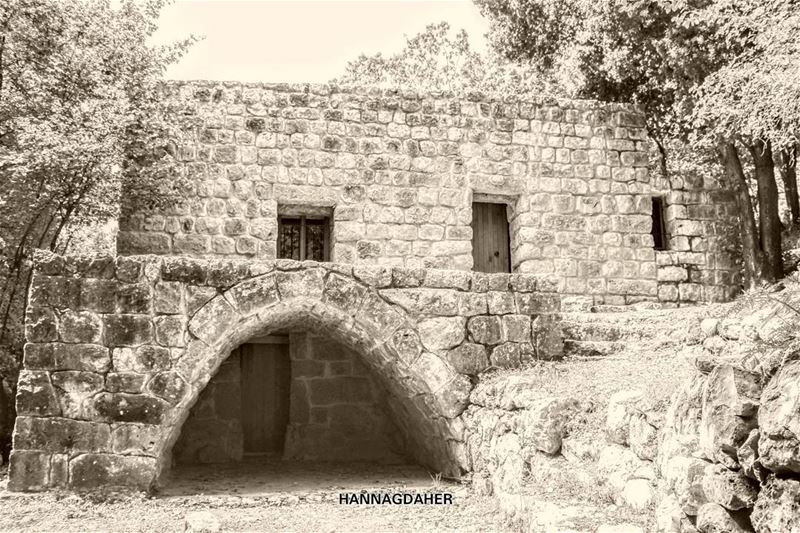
(304, 237)
(658, 230)
(491, 250)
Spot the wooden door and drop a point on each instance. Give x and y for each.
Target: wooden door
(490, 242)
(266, 375)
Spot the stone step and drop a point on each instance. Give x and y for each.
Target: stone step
(578, 348)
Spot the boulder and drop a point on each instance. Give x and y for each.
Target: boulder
(201, 522)
(668, 515)
(682, 421)
(779, 421)
(709, 326)
(684, 477)
(637, 494)
(541, 426)
(618, 465)
(713, 518)
(730, 489)
(621, 406)
(729, 405)
(777, 509)
(747, 457)
(642, 436)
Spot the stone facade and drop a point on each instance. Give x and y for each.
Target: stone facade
(398, 172)
(119, 351)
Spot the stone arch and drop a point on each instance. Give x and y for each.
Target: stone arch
(351, 312)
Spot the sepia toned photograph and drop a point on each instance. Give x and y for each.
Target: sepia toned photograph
(525, 266)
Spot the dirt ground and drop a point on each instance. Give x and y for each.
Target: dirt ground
(259, 497)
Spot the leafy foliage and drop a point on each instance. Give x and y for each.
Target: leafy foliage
(81, 118)
(438, 60)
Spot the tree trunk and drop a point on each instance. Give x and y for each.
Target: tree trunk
(788, 170)
(752, 256)
(768, 212)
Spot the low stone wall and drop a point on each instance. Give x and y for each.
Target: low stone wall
(729, 451)
(119, 350)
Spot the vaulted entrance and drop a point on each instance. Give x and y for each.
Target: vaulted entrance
(295, 395)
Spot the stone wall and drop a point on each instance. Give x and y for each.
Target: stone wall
(398, 173)
(213, 431)
(338, 411)
(119, 350)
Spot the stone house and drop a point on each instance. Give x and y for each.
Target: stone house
(343, 268)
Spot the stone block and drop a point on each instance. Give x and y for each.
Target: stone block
(472, 304)
(123, 407)
(501, 303)
(40, 325)
(28, 471)
(168, 386)
(79, 327)
(537, 304)
(130, 382)
(516, 328)
(213, 320)
(35, 395)
(344, 293)
(468, 358)
(92, 470)
(485, 330)
(88, 357)
(406, 344)
(136, 439)
(127, 330)
(142, 359)
(300, 284)
(134, 298)
(74, 390)
(61, 435)
(184, 270)
(168, 298)
(442, 333)
(170, 330)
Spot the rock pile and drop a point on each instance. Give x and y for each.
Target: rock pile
(626, 462)
(729, 452)
(511, 426)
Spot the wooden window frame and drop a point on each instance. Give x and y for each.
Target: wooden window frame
(326, 231)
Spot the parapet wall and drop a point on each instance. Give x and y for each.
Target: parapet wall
(398, 172)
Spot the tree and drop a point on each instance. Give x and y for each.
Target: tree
(435, 59)
(680, 60)
(80, 118)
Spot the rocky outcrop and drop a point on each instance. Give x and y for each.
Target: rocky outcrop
(729, 452)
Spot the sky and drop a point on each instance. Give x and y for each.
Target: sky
(300, 40)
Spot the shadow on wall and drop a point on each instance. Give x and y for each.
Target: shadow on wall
(295, 396)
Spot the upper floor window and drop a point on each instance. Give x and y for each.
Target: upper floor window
(304, 236)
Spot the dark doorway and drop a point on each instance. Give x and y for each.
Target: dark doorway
(490, 239)
(657, 229)
(266, 378)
